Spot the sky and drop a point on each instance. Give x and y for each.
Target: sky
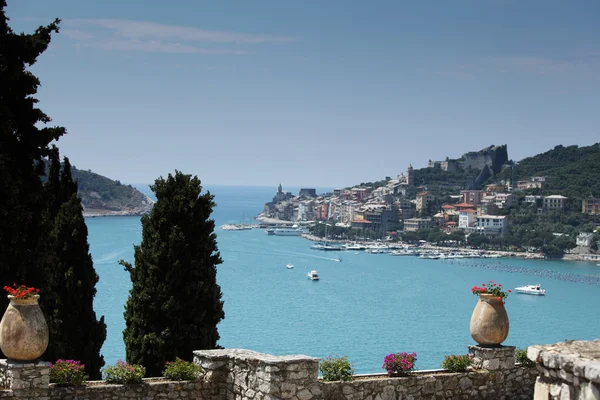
(312, 93)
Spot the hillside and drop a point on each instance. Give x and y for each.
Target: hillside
(101, 196)
(573, 171)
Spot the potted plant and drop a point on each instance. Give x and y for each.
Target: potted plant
(399, 364)
(67, 373)
(489, 321)
(23, 329)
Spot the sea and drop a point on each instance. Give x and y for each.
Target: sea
(365, 307)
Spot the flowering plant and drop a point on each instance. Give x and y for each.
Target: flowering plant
(491, 288)
(123, 372)
(21, 292)
(399, 364)
(67, 373)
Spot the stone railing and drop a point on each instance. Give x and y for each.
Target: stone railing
(568, 370)
(248, 375)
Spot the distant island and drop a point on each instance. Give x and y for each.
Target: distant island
(101, 196)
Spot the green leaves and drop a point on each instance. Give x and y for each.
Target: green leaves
(174, 304)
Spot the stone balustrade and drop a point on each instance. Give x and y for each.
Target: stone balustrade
(567, 370)
(233, 374)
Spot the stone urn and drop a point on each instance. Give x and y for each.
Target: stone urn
(23, 330)
(489, 322)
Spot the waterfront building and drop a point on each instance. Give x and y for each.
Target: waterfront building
(466, 218)
(555, 202)
(415, 224)
(585, 239)
(591, 205)
(492, 225)
(423, 200)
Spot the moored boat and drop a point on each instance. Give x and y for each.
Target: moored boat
(531, 289)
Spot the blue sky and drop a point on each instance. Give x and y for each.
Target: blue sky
(317, 93)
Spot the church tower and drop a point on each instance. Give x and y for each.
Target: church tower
(410, 177)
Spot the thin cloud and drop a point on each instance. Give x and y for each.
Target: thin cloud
(150, 37)
(154, 46)
(150, 30)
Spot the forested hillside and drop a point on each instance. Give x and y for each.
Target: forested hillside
(573, 171)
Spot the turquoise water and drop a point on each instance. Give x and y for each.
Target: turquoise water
(365, 307)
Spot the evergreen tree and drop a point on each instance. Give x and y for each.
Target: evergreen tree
(43, 237)
(75, 333)
(23, 145)
(175, 303)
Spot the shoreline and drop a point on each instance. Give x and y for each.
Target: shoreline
(595, 258)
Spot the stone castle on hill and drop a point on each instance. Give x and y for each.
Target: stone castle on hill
(489, 161)
(494, 157)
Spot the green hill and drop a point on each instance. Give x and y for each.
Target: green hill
(573, 171)
(103, 196)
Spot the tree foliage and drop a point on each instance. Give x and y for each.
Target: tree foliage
(573, 172)
(175, 303)
(43, 237)
(23, 145)
(71, 279)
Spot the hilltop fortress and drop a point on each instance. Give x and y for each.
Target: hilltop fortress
(494, 157)
(489, 161)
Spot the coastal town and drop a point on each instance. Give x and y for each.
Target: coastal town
(400, 208)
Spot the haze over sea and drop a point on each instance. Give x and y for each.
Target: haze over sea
(365, 307)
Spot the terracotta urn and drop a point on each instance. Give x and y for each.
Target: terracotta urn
(489, 322)
(23, 330)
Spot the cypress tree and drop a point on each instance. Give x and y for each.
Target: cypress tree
(23, 146)
(175, 303)
(43, 237)
(75, 333)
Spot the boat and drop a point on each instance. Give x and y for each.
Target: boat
(531, 289)
(326, 247)
(289, 266)
(313, 275)
(293, 231)
(270, 232)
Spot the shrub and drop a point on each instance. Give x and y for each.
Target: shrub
(521, 357)
(181, 370)
(399, 364)
(454, 363)
(67, 373)
(336, 369)
(123, 372)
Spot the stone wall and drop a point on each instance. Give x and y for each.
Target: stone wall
(247, 375)
(567, 370)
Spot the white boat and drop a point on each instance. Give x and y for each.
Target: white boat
(326, 247)
(270, 232)
(531, 289)
(289, 266)
(313, 275)
(293, 231)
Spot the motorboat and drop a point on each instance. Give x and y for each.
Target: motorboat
(531, 289)
(313, 275)
(289, 266)
(270, 232)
